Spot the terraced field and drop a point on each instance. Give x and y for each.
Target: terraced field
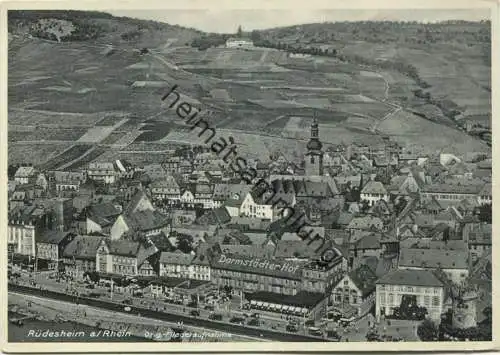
(78, 92)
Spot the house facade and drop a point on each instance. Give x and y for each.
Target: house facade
(176, 264)
(422, 286)
(374, 191)
(50, 246)
(356, 290)
(251, 207)
(103, 172)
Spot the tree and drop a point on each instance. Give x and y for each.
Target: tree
(185, 243)
(485, 213)
(427, 331)
(255, 36)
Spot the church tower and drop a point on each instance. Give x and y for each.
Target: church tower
(314, 155)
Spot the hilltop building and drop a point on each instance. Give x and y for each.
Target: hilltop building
(239, 43)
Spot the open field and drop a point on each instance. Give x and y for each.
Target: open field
(48, 134)
(52, 118)
(66, 157)
(405, 127)
(88, 87)
(95, 134)
(81, 163)
(34, 153)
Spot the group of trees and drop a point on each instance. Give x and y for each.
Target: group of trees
(386, 31)
(209, 40)
(82, 30)
(428, 331)
(485, 213)
(445, 331)
(132, 34)
(409, 309)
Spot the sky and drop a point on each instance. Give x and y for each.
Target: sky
(227, 21)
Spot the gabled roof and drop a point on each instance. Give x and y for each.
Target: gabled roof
(486, 190)
(292, 249)
(251, 251)
(161, 242)
(103, 210)
(25, 171)
(433, 258)
(411, 278)
(369, 241)
(217, 216)
(123, 247)
(235, 234)
(374, 187)
(175, 258)
(364, 279)
(51, 237)
(236, 203)
(453, 188)
(224, 191)
(134, 202)
(365, 222)
(83, 247)
(146, 220)
(167, 182)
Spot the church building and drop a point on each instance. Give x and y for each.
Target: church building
(314, 154)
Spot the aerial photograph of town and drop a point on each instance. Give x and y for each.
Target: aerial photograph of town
(249, 176)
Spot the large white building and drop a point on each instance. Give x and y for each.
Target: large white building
(421, 285)
(239, 43)
(255, 206)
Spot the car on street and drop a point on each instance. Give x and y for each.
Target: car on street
(209, 307)
(332, 334)
(292, 328)
(254, 322)
(195, 313)
(127, 301)
(94, 295)
(237, 320)
(315, 331)
(215, 316)
(310, 323)
(373, 336)
(346, 321)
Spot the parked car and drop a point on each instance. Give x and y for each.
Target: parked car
(94, 294)
(215, 316)
(254, 322)
(209, 307)
(195, 313)
(346, 321)
(310, 323)
(237, 320)
(91, 286)
(372, 336)
(127, 301)
(333, 335)
(292, 328)
(315, 331)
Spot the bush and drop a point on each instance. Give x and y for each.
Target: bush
(428, 331)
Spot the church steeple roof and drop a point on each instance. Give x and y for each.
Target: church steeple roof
(314, 143)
